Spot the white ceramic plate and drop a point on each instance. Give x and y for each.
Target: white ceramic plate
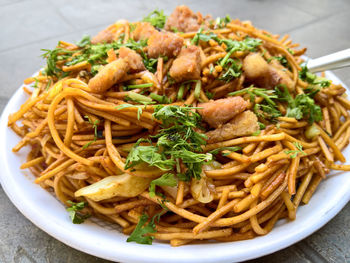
(103, 240)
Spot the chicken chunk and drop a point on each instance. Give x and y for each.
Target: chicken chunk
(164, 44)
(107, 35)
(255, 67)
(259, 72)
(218, 112)
(184, 20)
(143, 30)
(109, 75)
(243, 124)
(279, 76)
(187, 65)
(132, 58)
(104, 36)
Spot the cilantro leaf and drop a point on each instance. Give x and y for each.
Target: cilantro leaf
(94, 54)
(139, 235)
(148, 154)
(176, 140)
(282, 59)
(94, 126)
(156, 18)
(302, 106)
(266, 111)
(54, 56)
(76, 217)
(203, 37)
(247, 44)
(84, 41)
(232, 69)
(167, 179)
(222, 22)
(313, 79)
(294, 153)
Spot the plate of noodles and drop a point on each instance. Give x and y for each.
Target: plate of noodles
(184, 138)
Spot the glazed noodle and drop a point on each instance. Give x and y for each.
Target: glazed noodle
(182, 128)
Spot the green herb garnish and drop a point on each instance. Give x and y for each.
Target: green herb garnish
(313, 79)
(167, 179)
(302, 106)
(94, 126)
(139, 235)
(156, 18)
(294, 153)
(177, 140)
(248, 44)
(76, 217)
(222, 22)
(203, 37)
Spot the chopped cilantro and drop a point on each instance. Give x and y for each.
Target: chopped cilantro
(313, 79)
(294, 153)
(247, 44)
(94, 126)
(282, 59)
(302, 106)
(222, 22)
(232, 69)
(203, 37)
(156, 18)
(167, 179)
(84, 41)
(75, 216)
(139, 235)
(94, 54)
(176, 140)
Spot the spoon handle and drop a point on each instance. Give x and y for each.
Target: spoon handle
(336, 60)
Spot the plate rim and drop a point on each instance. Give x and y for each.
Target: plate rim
(58, 231)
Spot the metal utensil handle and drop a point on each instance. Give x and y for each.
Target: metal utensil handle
(336, 60)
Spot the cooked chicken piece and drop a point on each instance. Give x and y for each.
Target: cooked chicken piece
(243, 124)
(164, 44)
(279, 76)
(143, 30)
(149, 77)
(104, 36)
(187, 65)
(184, 20)
(107, 35)
(259, 72)
(109, 75)
(255, 67)
(132, 58)
(218, 112)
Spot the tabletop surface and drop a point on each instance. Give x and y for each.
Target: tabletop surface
(30, 25)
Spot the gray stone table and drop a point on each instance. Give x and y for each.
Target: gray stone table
(26, 26)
